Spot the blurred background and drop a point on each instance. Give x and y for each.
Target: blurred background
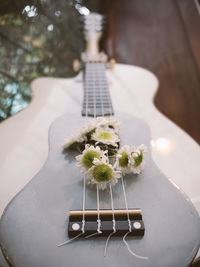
(43, 37)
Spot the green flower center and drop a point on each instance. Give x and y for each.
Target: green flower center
(88, 158)
(138, 160)
(102, 173)
(123, 160)
(105, 135)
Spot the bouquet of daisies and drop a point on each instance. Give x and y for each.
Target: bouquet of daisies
(102, 131)
(101, 157)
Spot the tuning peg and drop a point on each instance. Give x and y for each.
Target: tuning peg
(93, 22)
(111, 63)
(76, 65)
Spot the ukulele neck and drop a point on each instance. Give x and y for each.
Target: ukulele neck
(96, 101)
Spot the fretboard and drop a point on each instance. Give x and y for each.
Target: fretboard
(97, 101)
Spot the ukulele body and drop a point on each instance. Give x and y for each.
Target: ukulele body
(36, 220)
(24, 149)
(24, 136)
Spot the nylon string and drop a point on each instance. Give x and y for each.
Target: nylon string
(113, 221)
(110, 103)
(129, 224)
(111, 196)
(84, 189)
(98, 202)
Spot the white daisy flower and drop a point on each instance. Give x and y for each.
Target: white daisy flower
(89, 127)
(123, 161)
(102, 174)
(105, 136)
(137, 158)
(85, 160)
(81, 135)
(76, 138)
(108, 122)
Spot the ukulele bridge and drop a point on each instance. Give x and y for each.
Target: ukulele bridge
(106, 222)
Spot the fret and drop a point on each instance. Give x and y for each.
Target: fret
(91, 105)
(96, 100)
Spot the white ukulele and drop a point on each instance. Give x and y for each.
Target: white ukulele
(24, 137)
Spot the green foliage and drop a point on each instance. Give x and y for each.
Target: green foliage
(41, 38)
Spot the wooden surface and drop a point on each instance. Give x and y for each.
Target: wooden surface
(162, 36)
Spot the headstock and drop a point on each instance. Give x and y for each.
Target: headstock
(93, 25)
